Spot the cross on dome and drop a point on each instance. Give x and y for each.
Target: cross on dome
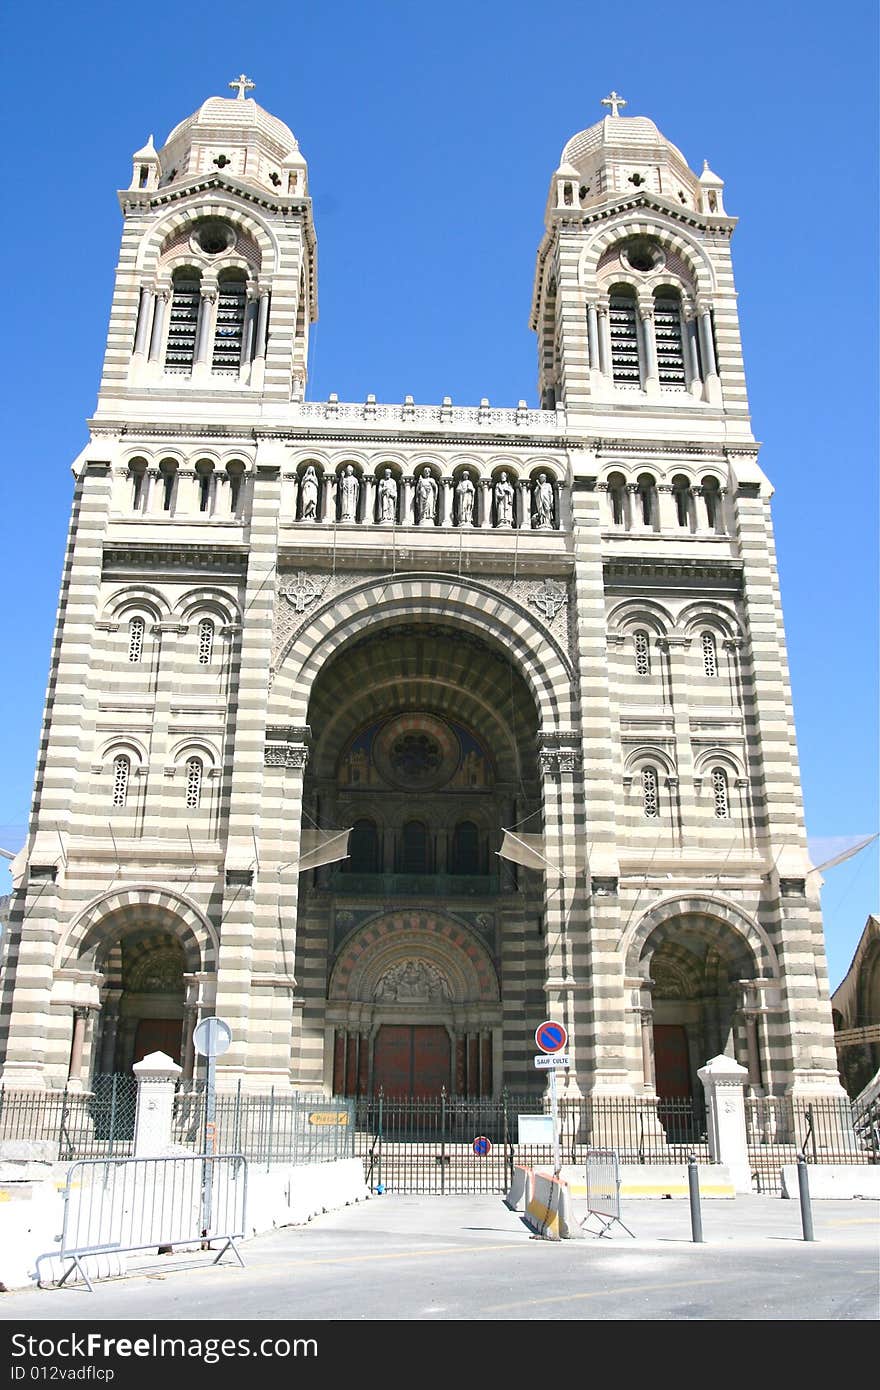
(614, 101)
(244, 84)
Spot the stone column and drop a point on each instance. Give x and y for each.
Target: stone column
(262, 322)
(447, 501)
(74, 1071)
(157, 336)
(649, 342)
(110, 1021)
(723, 1081)
(524, 519)
(646, 1020)
(327, 506)
(144, 322)
(407, 515)
(593, 336)
(560, 762)
(691, 351)
(707, 350)
(369, 500)
(250, 326)
(604, 328)
(156, 1076)
(486, 503)
(667, 507)
(754, 1058)
(205, 326)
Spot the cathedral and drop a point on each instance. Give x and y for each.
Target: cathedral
(385, 731)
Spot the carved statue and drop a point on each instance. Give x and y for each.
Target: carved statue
(542, 503)
(350, 488)
(426, 498)
(412, 979)
(309, 495)
(388, 497)
(465, 492)
(504, 496)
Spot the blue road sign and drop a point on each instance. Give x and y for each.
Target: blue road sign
(551, 1037)
(482, 1146)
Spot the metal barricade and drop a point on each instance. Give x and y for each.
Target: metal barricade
(118, 1205)
(603, 1189)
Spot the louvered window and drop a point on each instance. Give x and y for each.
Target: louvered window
(229, 330)
(135, 640)
(183, 323)
(624, 339)
(643, 654)
(193, 783)
(206, 641)
(667, 333)
(719, 792)
(710, 655)
(121, 768)
(650, 798)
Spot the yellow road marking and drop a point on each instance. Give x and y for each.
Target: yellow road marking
(605, 1293)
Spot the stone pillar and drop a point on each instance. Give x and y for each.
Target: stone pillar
(447, 502)
(110, 1020)
(144, 321)
(486, 503)
(204, 333)
(604, 326)
(250, 326)
(524, 520)
(157, 336)
(74, 1071)
(667, 508)
(754, 1056)
(593, 336)
(646, 1019)
(407, 516)
(156, 1076)
(327, 503)
(691, 352)
(262, 322)
(707, 350)
(649, 342)
(369, 500)
(723, 1081)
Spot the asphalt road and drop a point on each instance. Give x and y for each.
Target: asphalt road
(442, 1259)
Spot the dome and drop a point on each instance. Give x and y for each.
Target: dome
(624, 133)
(220, 117)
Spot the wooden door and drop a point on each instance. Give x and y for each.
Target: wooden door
(411, 1060)
(158, 1035)
(671, 1061)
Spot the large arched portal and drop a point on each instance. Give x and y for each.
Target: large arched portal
(423, 741)
(696, 969)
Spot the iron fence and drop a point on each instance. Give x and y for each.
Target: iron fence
(779, 1128)
(73, 1124)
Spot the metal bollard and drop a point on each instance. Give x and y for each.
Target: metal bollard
(804, 1194)
(694, 1194)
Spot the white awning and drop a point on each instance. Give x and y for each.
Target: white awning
(319, 847)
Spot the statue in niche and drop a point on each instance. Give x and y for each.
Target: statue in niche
(388, 497)
(350, 490)
(309, 495)
(504, 501)
(542, 503)
(465, 492)
(426, 498)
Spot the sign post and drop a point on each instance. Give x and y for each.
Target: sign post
(211, 1038)
(552, 1038)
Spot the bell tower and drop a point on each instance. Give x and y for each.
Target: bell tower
(633, 302)
(216, 281)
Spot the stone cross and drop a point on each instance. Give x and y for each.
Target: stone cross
(614, 101)
(244, 84)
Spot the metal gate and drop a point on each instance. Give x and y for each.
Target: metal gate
(430, 1144)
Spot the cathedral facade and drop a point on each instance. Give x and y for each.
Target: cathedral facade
(386, 731)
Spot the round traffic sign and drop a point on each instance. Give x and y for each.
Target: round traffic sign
(482, 1147)
(212, 1037)
(551, 1037)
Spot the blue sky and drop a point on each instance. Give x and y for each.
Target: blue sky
(431, 134)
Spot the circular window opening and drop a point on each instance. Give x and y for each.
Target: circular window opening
(213, 237)
(642, 255)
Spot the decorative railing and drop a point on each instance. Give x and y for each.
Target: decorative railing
(454, 416)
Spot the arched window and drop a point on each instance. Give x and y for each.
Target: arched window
(137, 471)
(414, 848)
(617, 493)
(720, 793)
(135, 640)
(623, 321)
(204, 474)
(668, 336)
(235, 474)
(193, 783)
(229, 332)
(168, 476)
(186, 294)
(206, 641)
(650, 793)
(643, 653)
(647, 490)
(121, 770)
(681, 492)
(710, 654)
(712, 500)
(363, 847)
(466, 848)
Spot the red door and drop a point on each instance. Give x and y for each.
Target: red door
(158, 1035)
(410, 1060)
(671, 1063)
